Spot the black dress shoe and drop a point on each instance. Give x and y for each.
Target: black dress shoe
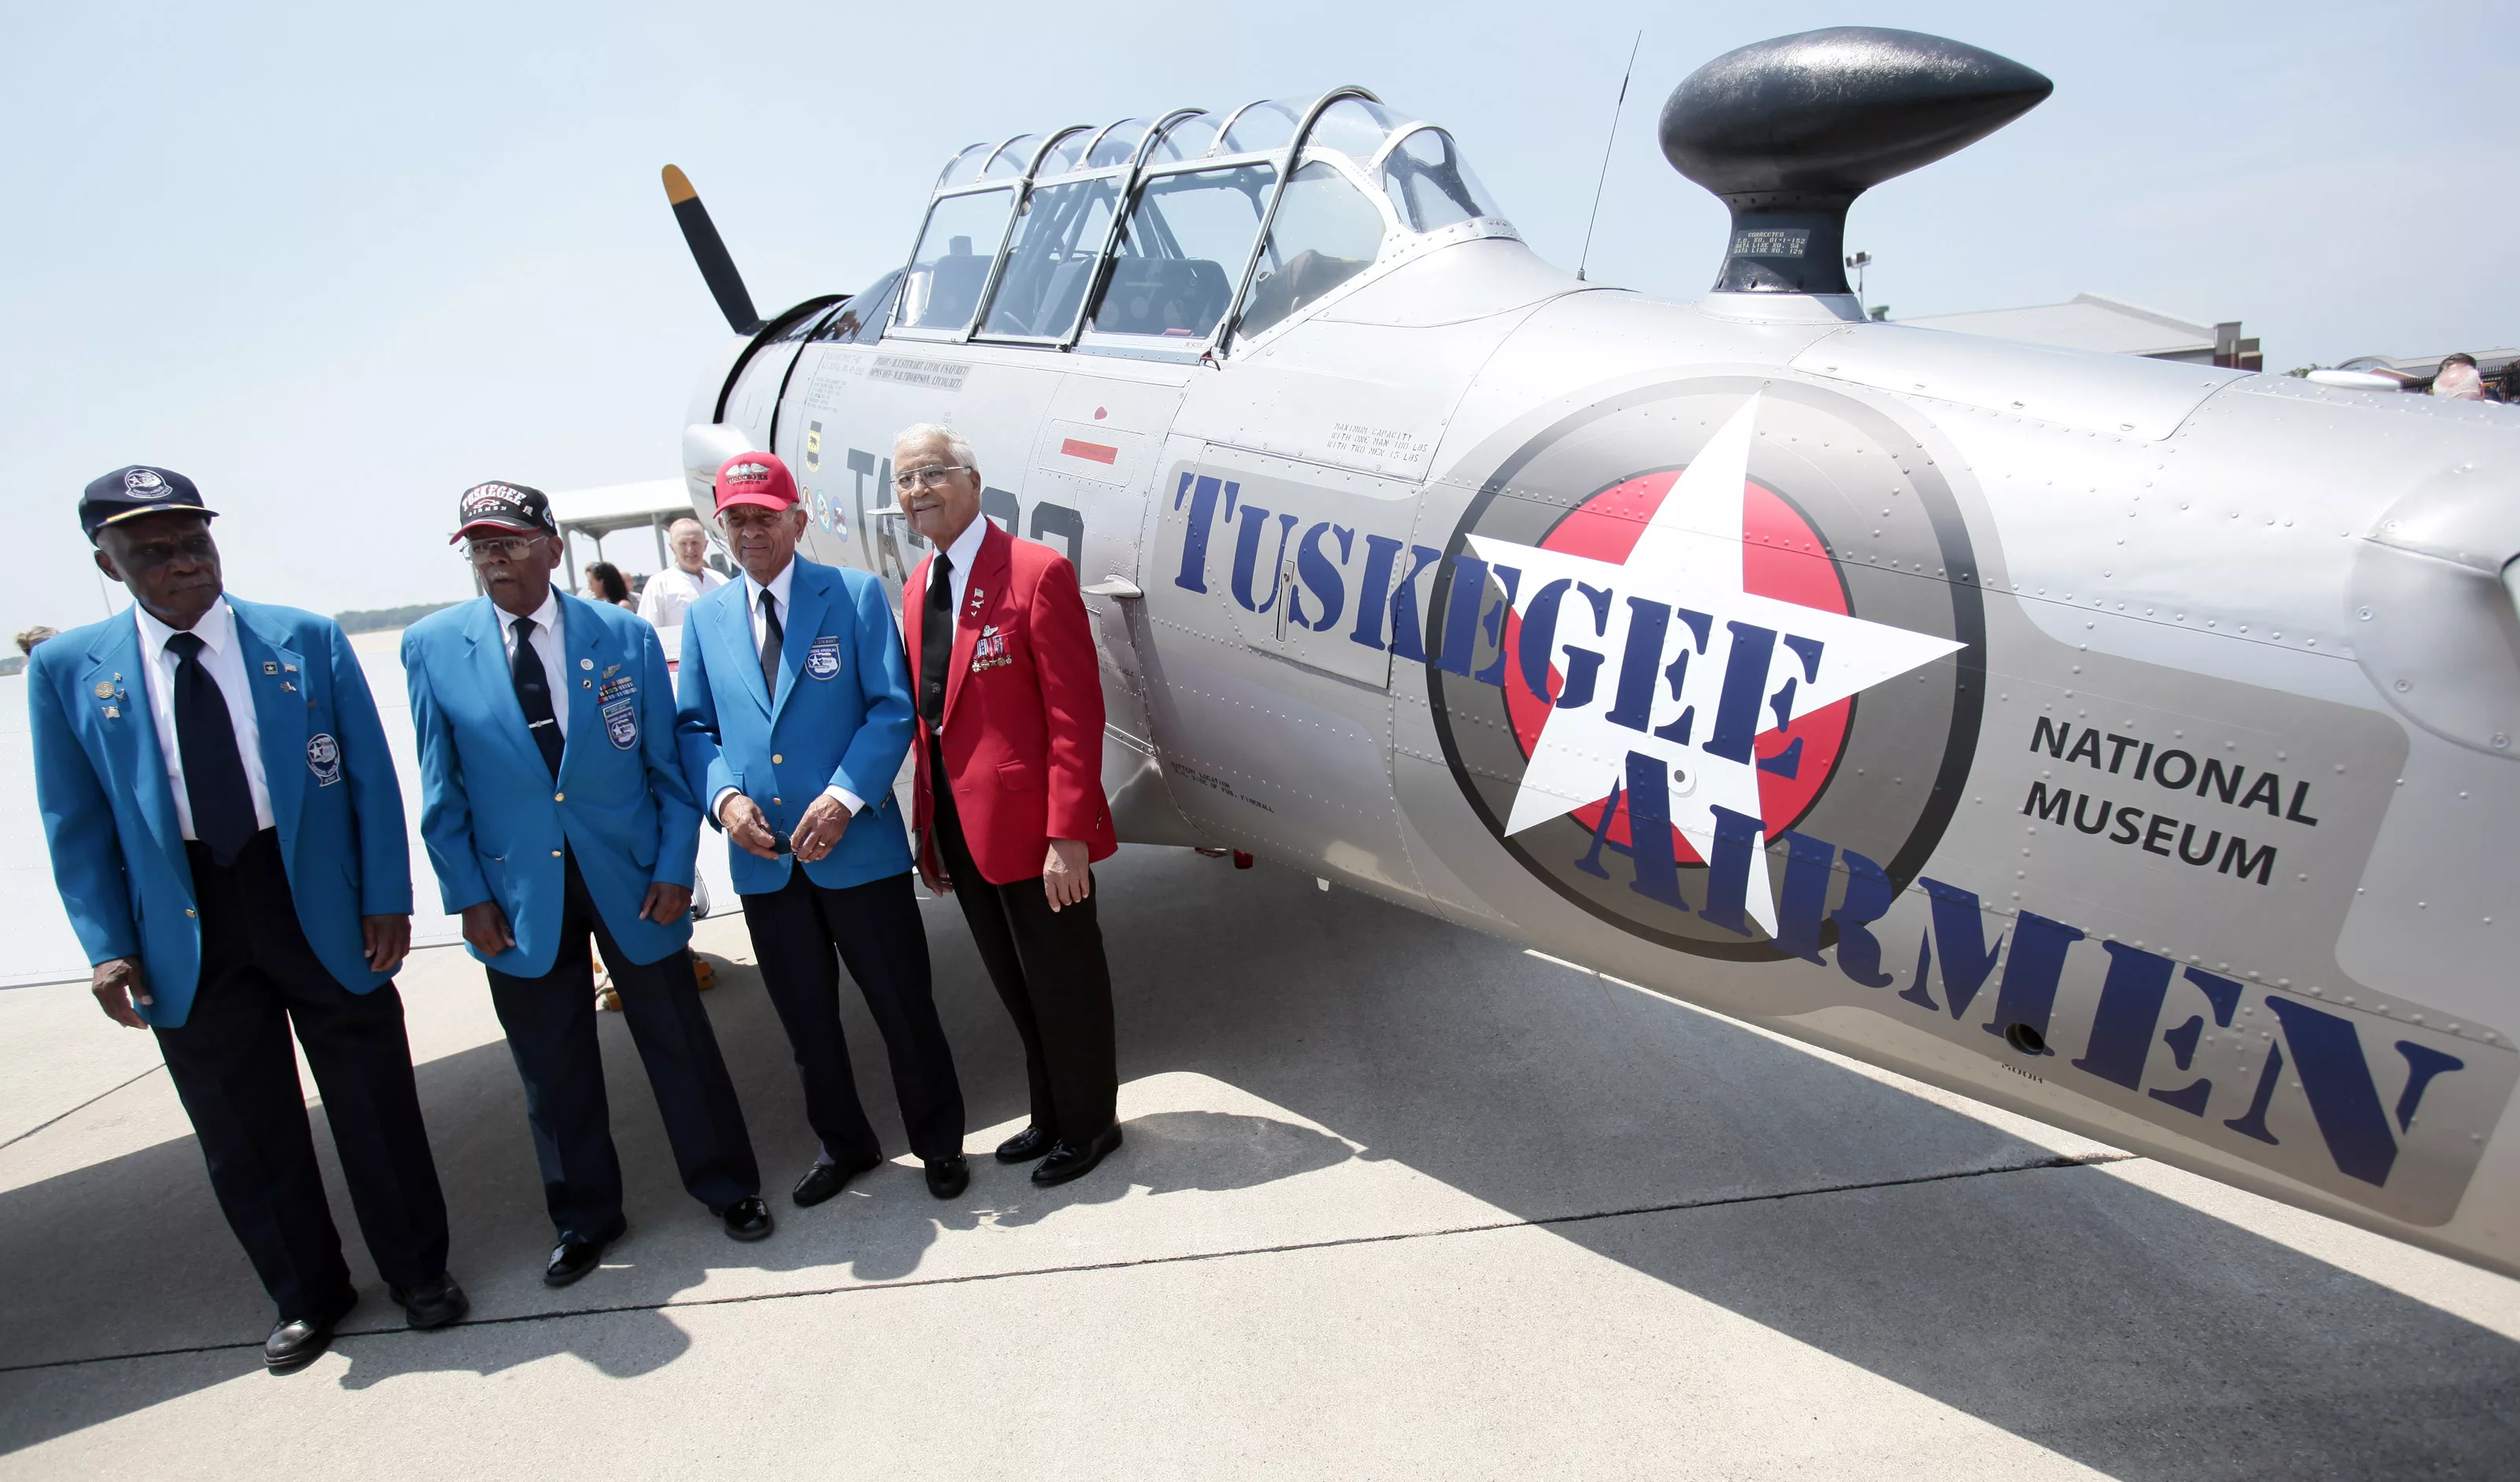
(1025, 1145)
(299, 1341)
(1068, 1160)
(572, 1259)
(746, 1219)
(947, 1178)
(431, 1303)
(824, 1180)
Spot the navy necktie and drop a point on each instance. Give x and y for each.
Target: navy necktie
(936, 642)
(214, 781)
(533, 692)
(771, 636)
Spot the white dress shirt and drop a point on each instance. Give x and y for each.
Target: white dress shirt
(548, 646)
(965, 549)
(224, 659)
(670, 592)
(779, 587)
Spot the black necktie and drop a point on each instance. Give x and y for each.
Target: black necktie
(533, 692)
(936, 641)
(772, 636)
(214, 781)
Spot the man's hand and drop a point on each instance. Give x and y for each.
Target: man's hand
(485, 926)
(665, 903)
(1065, 873)
(743, 820)
(819, 832)
(118, 985)
(388, 939)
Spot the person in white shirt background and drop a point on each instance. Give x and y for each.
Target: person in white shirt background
(671, 592)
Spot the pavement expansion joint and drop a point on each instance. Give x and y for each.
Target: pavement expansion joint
(83, 1106)
(1673, 1206)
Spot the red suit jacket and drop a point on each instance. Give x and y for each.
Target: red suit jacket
(1024, 712)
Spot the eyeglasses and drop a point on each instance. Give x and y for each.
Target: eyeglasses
(499, 548)
(927, 478)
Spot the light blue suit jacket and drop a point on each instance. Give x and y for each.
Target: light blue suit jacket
(110, 815)
(493, 819)
(841, 717)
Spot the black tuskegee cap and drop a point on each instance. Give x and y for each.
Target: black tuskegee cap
(1788, 132)
(133, 490)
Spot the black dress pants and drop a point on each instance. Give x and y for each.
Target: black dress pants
(232, 1066)
(1050, 971)
(875, 929)
(549, 1022)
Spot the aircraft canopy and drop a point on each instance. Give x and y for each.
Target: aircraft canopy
(1190, 233)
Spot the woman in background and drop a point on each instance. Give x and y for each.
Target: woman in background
(604, 583)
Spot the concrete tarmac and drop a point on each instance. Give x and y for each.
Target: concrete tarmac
(1397, 1200)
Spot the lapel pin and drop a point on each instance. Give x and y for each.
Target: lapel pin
(112, 712)
(290, 686)
(269, 668)
(611, 669)
(288, 669)
(587, 663)
(103, 690)
(586, 684)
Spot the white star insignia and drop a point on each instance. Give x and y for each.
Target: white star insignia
(1689, 558)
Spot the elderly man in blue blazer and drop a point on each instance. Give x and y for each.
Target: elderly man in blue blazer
(795, 712)
(228, 837)
(555, 809)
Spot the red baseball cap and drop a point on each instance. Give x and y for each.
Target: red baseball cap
(755, 478)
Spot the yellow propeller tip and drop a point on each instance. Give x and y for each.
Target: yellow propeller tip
(678, 186)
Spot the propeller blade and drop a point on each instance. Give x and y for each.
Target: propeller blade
(708, 250)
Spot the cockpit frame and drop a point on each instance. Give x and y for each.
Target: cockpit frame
(963, 178)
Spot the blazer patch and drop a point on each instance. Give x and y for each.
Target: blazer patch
(621, 723)
(989, 650)
(324, 758)
(822, 659)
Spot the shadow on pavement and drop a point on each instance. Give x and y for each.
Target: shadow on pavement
(2077, 1310)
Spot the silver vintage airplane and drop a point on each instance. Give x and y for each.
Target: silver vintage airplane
(2128, 744)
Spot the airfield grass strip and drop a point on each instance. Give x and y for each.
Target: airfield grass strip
(81, 1107)
(2061, 1160)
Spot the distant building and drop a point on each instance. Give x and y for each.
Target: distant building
(2112, 325)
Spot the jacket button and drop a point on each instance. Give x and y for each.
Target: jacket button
(776, 758)
(560, 797)
(188, 910)
(774, 801)
(555, 854)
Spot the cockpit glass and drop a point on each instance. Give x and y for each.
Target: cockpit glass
(1012, 158)
(964, 167)
(1430, 184)
(1056, 245)
(952, 264)
(1066, 155)
(1326, 233)
(1184, 248)
(1118, 143)
(1187, 140)
(1354, 127)
(1263, 126)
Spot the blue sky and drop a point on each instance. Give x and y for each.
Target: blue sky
(337, 263)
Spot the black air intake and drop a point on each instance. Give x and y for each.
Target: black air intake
(1788, 132)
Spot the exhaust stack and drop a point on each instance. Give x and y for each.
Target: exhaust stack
(1788, 132)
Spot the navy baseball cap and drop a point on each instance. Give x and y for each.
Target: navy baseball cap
(138, 489)
(509, 508)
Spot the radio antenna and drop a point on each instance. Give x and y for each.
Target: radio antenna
(1606, 146)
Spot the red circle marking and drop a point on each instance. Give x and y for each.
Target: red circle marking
(1782, 557)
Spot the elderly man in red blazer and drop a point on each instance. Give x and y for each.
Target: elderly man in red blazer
(1010, 810)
